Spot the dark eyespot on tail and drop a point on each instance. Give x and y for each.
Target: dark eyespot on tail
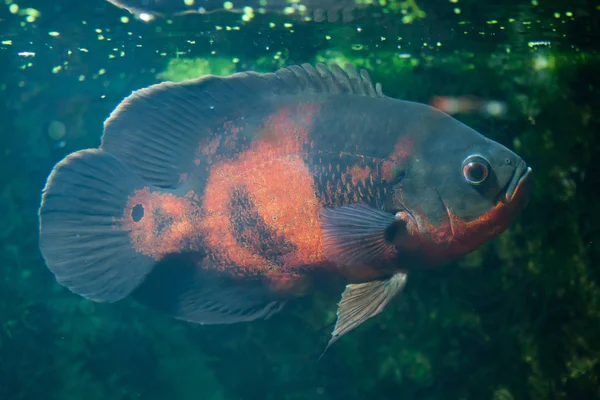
(156, 131)
(137, 213)
(84, 196)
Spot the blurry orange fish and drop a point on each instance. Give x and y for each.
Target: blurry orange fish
(466, 104)
(219, 199)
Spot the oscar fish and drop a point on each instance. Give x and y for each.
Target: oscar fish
(220, 199)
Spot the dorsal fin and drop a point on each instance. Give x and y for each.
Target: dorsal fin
(156, 130)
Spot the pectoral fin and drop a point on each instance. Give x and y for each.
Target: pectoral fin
(358, 234)
(362, 301)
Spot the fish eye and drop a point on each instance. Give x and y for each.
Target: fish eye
(475, 170)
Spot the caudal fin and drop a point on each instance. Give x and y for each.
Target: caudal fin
(84, 198)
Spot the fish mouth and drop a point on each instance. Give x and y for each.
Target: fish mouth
(521, 183)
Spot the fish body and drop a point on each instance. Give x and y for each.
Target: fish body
(319, 10)
(219, 199)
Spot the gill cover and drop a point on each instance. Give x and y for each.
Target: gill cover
(453, 180)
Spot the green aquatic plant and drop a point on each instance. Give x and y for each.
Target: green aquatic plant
(180, 69)
(408, 8)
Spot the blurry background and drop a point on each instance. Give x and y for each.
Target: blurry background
(517, 319)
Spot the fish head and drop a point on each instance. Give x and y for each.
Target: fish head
(454, 188)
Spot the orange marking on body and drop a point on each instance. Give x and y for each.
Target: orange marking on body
(225, 136)
(287, 129)
(402, 150)
(217, 225)
(210, 149)
(455, 237)
(167, 225)
(387, 170)
(359, 174)
(285, 197)
(279, 184)
(472, 234)
(230, 127)
(183, 177)
(287, 284)
(207, 148)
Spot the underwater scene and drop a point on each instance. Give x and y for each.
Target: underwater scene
(299, 199)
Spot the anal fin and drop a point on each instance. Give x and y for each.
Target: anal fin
(182, 287)
(362, 301)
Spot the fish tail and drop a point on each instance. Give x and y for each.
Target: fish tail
(84, 198)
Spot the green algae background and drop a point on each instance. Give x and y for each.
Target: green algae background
(517, 319)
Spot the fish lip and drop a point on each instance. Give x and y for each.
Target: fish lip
(520, 178)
